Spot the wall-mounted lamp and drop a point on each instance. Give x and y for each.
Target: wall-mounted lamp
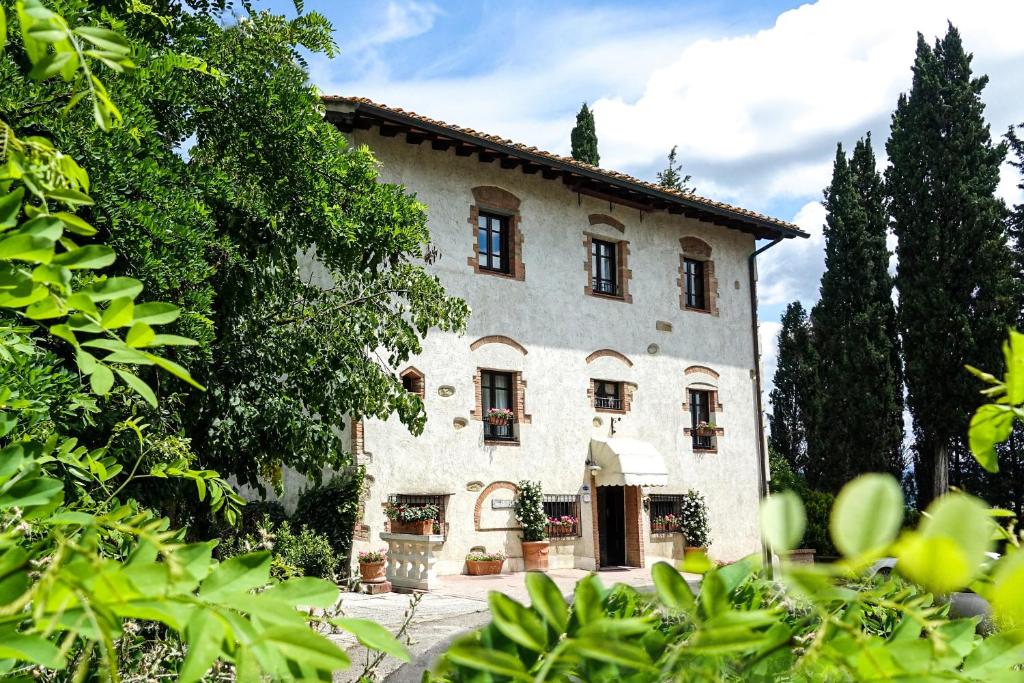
(592, 466)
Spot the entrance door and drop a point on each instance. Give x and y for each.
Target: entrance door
(611, 513)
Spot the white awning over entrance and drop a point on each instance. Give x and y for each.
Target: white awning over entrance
(627, 462)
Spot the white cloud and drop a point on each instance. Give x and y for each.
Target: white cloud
(759, 114)
(402, 20)
(792, 269)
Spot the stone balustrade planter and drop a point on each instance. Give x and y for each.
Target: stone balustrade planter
(480, 568)
(411, 560)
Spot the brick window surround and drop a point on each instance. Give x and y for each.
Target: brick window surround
(622, 272)
(697, 249)
(491, 199)
(626, 390)
(413, 381)
(714, 409)
(518, 402)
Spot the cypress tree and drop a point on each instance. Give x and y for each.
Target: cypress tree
(955, 274)
(859, 382)
(672, 177)
(584, 138)
(792, 395)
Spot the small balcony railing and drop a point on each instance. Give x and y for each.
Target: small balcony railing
(608, 403)
(604, 286)
(703, 442)
(500, 432)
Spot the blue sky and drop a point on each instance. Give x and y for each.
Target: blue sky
(756, 94)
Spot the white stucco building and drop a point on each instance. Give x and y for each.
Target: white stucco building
(608, 314)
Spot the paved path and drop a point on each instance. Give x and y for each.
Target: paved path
(459, 605)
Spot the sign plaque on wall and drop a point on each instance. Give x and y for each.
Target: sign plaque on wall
(501, 503)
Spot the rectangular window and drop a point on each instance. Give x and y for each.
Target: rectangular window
(695, 295)
(563, 513)
(700, 415)
(492, 240)
(603, 267)
(416, 500)
(607, 395)
(497, 391)
(666, 514)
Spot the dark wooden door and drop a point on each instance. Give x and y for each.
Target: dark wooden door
(611, 513)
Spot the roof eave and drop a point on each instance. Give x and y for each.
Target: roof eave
(347, 107)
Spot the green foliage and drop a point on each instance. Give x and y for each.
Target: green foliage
(301, 553)
(794, 391)
(81, 569)
(584, 138)
(694, 513)
(411, 513)
(227, 232)
(955, 274)
(854, 328)
(529, 510)
(331, 509)
(672, 177)
(811, 623)
(818, 504)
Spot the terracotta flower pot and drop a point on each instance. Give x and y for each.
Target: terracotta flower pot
(372, 572)
(535, 555)
(478, 568)
(419, 527)
(498, 420)
(695, 549)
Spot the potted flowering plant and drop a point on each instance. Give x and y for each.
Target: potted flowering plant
(666, 524)
(411, 519)
(694, 522)
(529, 508)
(371, 565)
(499, 417)
(483, 564)
(704, 428)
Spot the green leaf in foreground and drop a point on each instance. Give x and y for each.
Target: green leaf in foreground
(783, 520)
(867, 514)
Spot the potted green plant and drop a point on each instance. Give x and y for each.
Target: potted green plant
(484, 564)
(499, 417)
(693, 515)
(371, 565)
(529, 509)
(411, 519)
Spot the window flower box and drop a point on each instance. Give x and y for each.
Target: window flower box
(562, 527)
(418, 520)
(499, 417)
(667, 524)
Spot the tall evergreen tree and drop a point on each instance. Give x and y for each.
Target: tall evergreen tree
(859, 382)
(792, 394)
(955, 275)
(672, 177)
(584, 138)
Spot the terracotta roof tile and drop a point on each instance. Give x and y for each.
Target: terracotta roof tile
(609, 174)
